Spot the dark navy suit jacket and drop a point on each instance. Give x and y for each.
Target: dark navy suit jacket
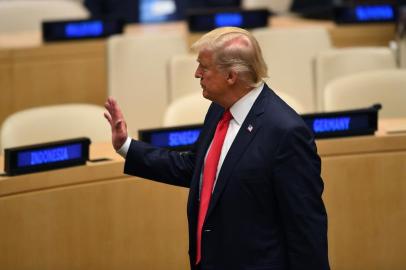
(266, 211)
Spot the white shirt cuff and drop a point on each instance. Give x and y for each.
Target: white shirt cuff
(124, 148)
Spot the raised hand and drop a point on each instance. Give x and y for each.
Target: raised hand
(117, 122)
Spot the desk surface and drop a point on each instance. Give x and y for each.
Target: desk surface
(391, 136)
(91, 172)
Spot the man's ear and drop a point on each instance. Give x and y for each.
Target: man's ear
(232, 77)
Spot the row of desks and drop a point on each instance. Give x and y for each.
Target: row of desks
(95, 217)
(35, 74)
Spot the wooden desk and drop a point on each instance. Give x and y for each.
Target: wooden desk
(346, 35)
(94, 217)
(52, 74)
(91, 217)
(365, 188)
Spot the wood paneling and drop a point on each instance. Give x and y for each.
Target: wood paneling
(366, 206)
(365, 187)
(362, 35)
(94, 217)
(344, 35)
(121, 223)
(54, 74)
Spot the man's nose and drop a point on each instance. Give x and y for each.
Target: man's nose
(198, 74)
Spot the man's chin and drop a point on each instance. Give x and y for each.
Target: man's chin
(206, 95)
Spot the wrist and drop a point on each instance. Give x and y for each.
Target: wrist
(119, 142)
(122, 151)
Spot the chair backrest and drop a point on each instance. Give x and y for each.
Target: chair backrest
(335, 63)
(188, 109)
(181, 76)
(278, 6)
(27, 16)
(292, 102)
(192, 108)
(289, 54)
(387, 87)
(56, 122)
(137, 75)
(402, 52)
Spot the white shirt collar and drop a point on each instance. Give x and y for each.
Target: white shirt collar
(241, 108)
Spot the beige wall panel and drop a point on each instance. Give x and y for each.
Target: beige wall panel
(121, 224)
(362, 35)
(60, 73)
(343, 35)
(366, 205)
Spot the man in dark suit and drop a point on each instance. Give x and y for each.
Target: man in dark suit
(254, 174)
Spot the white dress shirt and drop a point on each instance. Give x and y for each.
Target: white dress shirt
(239, 111)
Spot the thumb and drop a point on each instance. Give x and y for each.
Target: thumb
(120, 125)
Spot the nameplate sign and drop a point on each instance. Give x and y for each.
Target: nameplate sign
(175, 138)
(365, 13)
(79, 29)
(47, 156)
(206, 20)
(343, 123)
(324, 125)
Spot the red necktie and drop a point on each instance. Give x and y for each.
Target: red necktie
(209, 175)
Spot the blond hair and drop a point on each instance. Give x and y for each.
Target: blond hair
(235, 49)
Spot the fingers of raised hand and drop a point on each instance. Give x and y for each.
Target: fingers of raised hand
(108, 117)
(113, 108)
(120, 125)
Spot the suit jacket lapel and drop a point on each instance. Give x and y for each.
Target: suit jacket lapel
(247, 132)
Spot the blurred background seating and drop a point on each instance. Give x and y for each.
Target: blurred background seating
(277, 6)
(186, 110)
(402, 52)
(52, 123)
(289, 54)
(335, 63)
(361, 90)
(293, 102)
(27, 15)
(137, 75)
(182, 79)
(146, 77)
(150, 71)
